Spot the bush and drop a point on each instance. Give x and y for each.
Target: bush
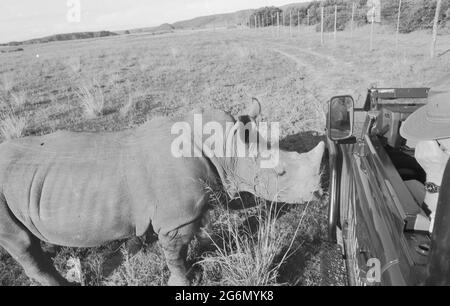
(266, 15)
(415, 14)
(344, 9)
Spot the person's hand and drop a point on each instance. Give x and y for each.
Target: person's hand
(432, 159)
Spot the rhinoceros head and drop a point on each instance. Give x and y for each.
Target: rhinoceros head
(272, 173)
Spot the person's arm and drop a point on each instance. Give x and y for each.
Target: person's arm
(439, 258)
(433, 161)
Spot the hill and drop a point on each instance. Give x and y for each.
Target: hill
(225, 20)
(164, 28)
(220, 20)
(416, 14)
(61, 37)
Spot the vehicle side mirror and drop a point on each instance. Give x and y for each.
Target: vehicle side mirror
(341, 118)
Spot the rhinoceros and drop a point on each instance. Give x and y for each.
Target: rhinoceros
(87, 189)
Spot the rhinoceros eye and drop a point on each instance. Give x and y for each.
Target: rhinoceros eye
(280, 170)
(283, 172)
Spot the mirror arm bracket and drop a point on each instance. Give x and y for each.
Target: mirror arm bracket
(350, 140)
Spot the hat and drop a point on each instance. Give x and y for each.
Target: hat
(431, 121)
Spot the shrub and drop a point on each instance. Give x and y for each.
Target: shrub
(344, 9)
(266, 15)
(415, 14)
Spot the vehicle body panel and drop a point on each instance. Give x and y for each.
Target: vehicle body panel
(372, 207)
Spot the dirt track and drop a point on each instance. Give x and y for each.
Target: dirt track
(332, 265)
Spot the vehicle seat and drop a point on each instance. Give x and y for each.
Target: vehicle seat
(408, 174)
(417, 190)
(406, 165)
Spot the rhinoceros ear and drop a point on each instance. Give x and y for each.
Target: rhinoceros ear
(255, 109)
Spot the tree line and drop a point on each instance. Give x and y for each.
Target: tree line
(415, 14)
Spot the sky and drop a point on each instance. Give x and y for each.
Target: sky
(25, 19)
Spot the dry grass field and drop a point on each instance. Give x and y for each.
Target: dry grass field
(114, 83)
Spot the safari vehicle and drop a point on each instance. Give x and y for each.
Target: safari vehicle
(376, 210)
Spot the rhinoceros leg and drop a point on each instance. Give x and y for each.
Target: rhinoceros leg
(175, 245)
(25, 249)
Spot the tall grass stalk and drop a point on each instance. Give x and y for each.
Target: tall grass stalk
(92, 100)
(129, 105)
(12, 126)
(142, 269)
(244, 256)
(6, 83)
(19, 99)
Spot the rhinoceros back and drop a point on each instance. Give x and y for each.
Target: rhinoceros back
(70, 188)
(85, 189)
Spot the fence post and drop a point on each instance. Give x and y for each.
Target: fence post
(353, 19)
(272, 21)
(290, 23)
(371, 27)
(308, 19)
(398, 23)
(435, 27)
(298, 20)
(321, 26)
(335, 22)
(278, 22)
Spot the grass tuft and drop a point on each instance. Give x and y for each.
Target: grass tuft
(143, 269)
(12, 126)
(249, 250)
(19, 99)
(74, 64)
(129, 105)
(92, 101)
(6, 83)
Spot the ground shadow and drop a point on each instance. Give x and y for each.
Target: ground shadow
(132, 246)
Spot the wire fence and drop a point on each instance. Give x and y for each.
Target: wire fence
(327, 18)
